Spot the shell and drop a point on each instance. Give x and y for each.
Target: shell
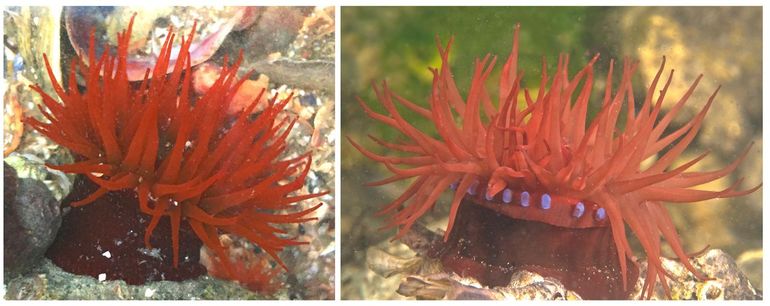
(213, 26)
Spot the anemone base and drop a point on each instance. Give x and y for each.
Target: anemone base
(489, 247)
(107, 237)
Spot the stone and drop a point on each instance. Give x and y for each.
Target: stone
(32, 219)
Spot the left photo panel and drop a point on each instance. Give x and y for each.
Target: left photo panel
(169, 153)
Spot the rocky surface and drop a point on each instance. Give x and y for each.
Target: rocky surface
(312, 266)
(48, 282)
(727, 281)
(30, 32)
(410, 275)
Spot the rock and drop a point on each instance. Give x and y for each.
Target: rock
(213, 24)
(47, 281)
(728, 281)
(31, 32)
(524, 285)
(387, 265)
(32, 218)
(292, 45)
(32, 166)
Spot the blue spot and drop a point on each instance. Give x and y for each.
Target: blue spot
(507, 195)
(472, 188)
(525, 199)
(489, 197)
(545, 201)
(601, 214)
(579, 210)
(453, 186)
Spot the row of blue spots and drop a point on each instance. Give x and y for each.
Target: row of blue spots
(524, 200)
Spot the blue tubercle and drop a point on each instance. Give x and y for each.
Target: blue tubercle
(601, 214)
(545, 201)
(507, 196)
(580, 208)
(525, 199)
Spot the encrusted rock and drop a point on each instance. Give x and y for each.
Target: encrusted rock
(727, 281)
(524, 286)
(387, 265)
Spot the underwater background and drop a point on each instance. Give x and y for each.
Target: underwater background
(397, 45)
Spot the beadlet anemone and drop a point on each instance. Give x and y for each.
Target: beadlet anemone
(539, 186)
(164, 160)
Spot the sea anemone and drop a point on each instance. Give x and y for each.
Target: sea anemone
(182, 157)
(537, 161)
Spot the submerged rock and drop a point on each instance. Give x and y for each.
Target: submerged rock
(32, 218)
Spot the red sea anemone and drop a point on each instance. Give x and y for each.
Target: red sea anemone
(553, 191)
(186, 161)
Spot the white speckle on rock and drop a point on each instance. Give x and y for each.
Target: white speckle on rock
(149, 292)
(102, 277)
(107, 254)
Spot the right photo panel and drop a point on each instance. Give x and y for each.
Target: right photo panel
(551, 153)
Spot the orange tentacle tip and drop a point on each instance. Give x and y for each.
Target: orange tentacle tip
(136, 128)
(534, 166)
